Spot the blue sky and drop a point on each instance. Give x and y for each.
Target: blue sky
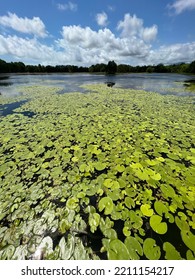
(86, 32)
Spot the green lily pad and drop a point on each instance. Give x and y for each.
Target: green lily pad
(171, 252)
(156, 177)
(7, 252)
(126, 231)
(66, 247)
(189, 239)
(134, 248)
(151, 250)
(72, 203)
(146, 210)
(158, 226)
(106, 204)
(160, 207)
(94, 221)
(117, 250)
(100, 166)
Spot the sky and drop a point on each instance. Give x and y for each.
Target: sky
(86, 32)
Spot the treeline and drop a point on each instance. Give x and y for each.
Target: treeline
(110, 68)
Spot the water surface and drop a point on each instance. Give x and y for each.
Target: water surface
(162, 83)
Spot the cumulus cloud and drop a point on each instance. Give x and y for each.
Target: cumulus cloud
(33, 26)
(85, 46)
(172, 54)
(133, 26)
(181, 5)
(103, 43)
(68, 6)
(30, 50)
(102, 19)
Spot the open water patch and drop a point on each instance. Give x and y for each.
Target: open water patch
(8, 109)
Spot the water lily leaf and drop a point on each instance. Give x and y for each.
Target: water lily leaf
(146, 210)
(182, 224)
(141, 174)
(152, 162)
(160, 207)
(64, 225)
(126, 231)
(134, 248)
(46, 245)
(168, 190)
(158, 226)
(94, 221)
(100, 166)
(136, 165)
(161, 159)
(66, 248)
(190, 255)
(129, 202)
(39, 227)
(170, 252)
(120, 168)
(156, 177)
(189, 239)
(117, 250)
(151, 250)
(83, 167)
(7, 252)
(72, 203)
(110, 233)
(106, 204)
(20, 253)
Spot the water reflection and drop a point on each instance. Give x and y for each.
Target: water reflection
(8, 109)
(162, 83)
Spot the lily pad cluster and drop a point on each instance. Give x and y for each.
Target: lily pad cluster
(109, 174)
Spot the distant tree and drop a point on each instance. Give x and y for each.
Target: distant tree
(191, 68)
(160, 68)
(111, 67)
(150, 69)
(3, 66)
(123, 68)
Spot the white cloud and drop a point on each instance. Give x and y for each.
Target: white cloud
(102, 19)
(132, 26)
(29, 50)
(149, 33)
(68, 6)
(172, 54)
(101, 46)
(181, 5)
(33, 26)
(85, 46)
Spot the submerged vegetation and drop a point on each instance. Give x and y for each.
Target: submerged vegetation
(109, 174)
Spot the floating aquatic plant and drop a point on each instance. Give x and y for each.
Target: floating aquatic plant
(105, 174)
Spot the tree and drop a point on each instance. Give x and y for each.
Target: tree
(3, 66)
(111, 67)
(191, 68)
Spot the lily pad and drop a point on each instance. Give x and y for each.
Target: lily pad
(189, 239)
(151, 250)
(171, 252)
(118, 251)
(134, 248)
(146, 210)
(157, 225)
(106, 204)
(94, 221)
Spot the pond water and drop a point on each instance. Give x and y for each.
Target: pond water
(162, 83)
